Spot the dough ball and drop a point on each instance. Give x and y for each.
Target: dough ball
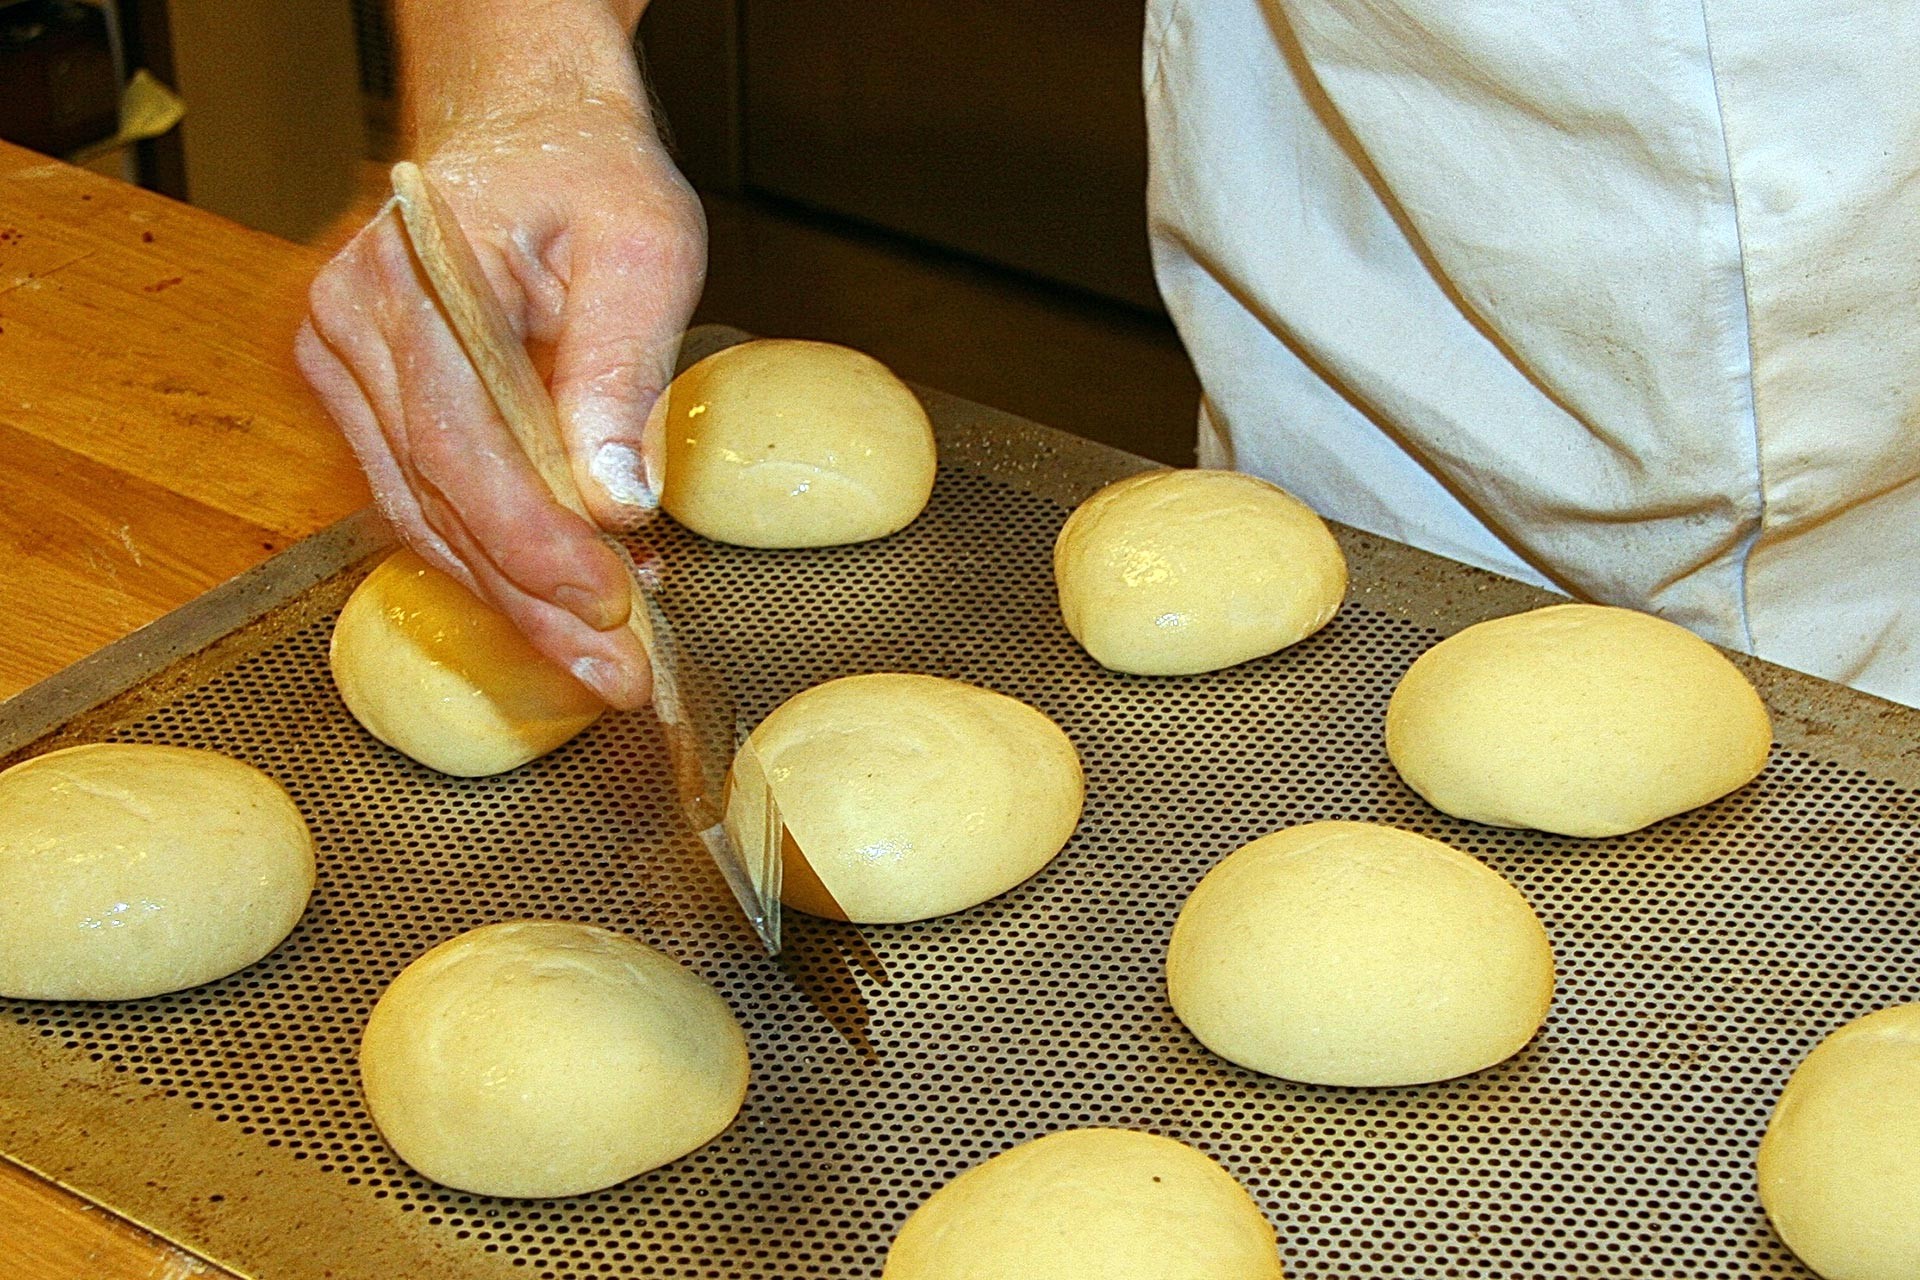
(1578, 719)
(436, 673)
(1088, 1204)
(1174, 572)
(1839, 1174)
(538, 1058)
(130, 871)
(912, 796)
(783, 443)
(1347, 953)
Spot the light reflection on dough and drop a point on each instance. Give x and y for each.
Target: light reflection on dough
(1142, 566)
(117, 915)
(884, 851)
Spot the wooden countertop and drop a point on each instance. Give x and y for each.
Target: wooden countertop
(155, 440)
(155, 437)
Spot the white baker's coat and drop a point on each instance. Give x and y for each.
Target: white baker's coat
(1620, 296)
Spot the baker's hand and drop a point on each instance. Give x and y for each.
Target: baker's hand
(596, 247)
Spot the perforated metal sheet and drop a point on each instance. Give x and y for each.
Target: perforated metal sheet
(1699, 961)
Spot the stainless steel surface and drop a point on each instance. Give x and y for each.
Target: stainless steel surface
(1700, 960)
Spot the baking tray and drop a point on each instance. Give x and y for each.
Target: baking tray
(1699, 960)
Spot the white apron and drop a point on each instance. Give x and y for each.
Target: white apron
(1618, 296)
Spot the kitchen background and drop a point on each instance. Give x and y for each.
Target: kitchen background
(956, 186)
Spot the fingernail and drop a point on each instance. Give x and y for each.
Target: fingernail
(602, 613)
(606, 680)
(616, 467)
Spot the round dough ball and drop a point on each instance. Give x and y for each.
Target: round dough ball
(1348, 953)
(1089, 1204)
(1578, 719)
(130, 871)
(784, 443)
(912, 796)
(538, 1058)
(1838, 1171)
(1174, 572)
(436, 673)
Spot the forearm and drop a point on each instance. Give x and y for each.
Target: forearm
(478, 61)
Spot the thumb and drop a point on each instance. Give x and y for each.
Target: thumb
(629, 298)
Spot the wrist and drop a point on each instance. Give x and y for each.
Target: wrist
(488, 64)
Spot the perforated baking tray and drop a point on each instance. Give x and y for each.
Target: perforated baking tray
(1700, 960)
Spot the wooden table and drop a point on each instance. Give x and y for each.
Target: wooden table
(155, 440)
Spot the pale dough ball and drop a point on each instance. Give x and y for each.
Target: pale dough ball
(1347, 953)
(784, 443)
(1840, 1164)
(1175, 572)
(1089, 1204)
(539, 1058)
(1579, 719)
(434, 672)
(912, 796)
(130, 871)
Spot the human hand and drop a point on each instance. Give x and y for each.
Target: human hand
(596, 248)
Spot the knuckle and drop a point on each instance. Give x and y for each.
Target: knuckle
(335, 300)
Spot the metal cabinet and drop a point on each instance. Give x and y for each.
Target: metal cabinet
(1009, 131)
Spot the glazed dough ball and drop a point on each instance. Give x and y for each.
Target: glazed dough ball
(436, 673)
(1838, 1171)
(912, 796)
(783, 443)
(130, 871)
(1174, 572)
(1088, 1204)
(1348, 953)
(538, 1058)
(1578, 719)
